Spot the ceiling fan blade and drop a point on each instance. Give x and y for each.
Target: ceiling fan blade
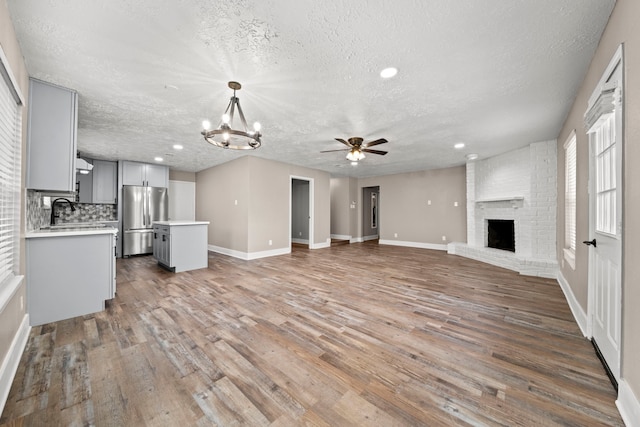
(382, 153)
(376, 142)
(343, 141)
(330, 151)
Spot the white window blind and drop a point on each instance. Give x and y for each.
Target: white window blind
(10, 152)
(570, 193)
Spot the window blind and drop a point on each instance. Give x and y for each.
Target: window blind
(570, 193)
(10, 152)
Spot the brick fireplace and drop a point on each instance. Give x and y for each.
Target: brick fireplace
(518, 186)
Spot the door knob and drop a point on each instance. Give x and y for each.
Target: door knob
(590, 243)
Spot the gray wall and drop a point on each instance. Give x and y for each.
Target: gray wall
(367, 230)
(622, 28)
(262, 189)
(300, 209)
(404, 207)
(222, 198)
(175, 175)
(340, 206)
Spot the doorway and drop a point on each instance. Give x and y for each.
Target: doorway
(301, 201)
(370, 213)
(605, 130)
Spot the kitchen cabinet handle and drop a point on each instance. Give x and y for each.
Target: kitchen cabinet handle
(155, 235)
(163, 237)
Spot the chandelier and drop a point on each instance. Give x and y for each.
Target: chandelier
(225, 136)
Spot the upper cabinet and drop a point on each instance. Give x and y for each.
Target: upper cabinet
(51, 135)
(149, 175)
(100, 185)
(105, 180)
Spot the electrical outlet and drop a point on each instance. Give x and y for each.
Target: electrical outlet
(300, 233)
(395, 235)
(236, 202)
(455, 203)
(444, 238)
(270, 242)
(429, 202)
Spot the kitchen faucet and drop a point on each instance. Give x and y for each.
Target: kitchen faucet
(53, 210)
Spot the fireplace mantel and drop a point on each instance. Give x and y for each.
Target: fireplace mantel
(502, 199)
(516, 201)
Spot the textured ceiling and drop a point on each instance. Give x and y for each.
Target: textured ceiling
(493, 74)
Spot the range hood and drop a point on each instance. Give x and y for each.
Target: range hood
(82, 166)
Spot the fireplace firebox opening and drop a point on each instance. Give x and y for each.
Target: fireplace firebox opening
(501, 234)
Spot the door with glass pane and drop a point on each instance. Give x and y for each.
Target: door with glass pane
(605, 226)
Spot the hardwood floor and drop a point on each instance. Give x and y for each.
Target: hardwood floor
(360, 334)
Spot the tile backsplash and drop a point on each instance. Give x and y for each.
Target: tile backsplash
(39, 213)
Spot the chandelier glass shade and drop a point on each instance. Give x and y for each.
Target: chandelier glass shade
(225, 136)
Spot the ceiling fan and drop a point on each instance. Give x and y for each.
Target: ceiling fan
(357, 148)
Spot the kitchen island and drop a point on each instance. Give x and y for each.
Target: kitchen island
(181, 245)
(70, 272)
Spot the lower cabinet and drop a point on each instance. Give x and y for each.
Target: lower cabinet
(162, 244)
(181, 245)
(69, 275)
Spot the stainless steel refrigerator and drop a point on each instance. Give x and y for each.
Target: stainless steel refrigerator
(141, 206)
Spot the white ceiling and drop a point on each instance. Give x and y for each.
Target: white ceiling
(494, 74)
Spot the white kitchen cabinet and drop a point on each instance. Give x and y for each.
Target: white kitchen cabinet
(105, 180)
(144, 174)
(181, 245)
(69, 274)
(51, 136)
(162, 244)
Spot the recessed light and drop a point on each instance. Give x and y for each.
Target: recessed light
(387, 73)
(158, 159)
(472, 156)
(459, 145)
(177, 147)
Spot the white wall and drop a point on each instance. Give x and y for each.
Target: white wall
(521, 186)
(182, 200)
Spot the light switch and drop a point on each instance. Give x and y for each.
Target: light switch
(429, 202)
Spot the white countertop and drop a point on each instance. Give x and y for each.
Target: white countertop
(73, 231)
(181, 222)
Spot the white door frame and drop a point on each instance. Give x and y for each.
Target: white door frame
(311, 205)
(616, 61)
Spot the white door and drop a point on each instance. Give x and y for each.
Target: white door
(605, 222)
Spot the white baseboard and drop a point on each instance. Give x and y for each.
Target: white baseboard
(628, 405)
(247, 256)
(320, 245)
(420, 245)
(372, 237)
(301, 241)
(578, 313)
(340, 237)
(12, 360)
(356, 240)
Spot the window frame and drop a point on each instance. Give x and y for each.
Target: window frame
(11, 281)
(570, 198)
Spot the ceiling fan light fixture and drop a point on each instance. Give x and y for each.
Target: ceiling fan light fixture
(355, 155)
(225, 136)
